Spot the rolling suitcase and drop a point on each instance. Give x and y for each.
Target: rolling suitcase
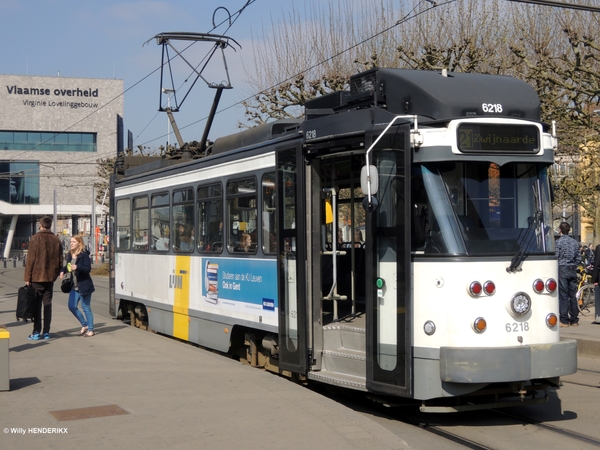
(26, 303)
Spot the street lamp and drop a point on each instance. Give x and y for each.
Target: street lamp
(169, 92)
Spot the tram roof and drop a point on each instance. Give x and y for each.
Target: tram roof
(255, 135)
(437, 95)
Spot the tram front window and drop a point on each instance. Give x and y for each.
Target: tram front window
(480, 208)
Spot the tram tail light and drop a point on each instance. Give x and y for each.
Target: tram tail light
(549, 285)
(551, 320)
(476, 288)
(538, 286)
(479, 325)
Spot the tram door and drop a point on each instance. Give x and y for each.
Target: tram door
(293, 354)
(338, 235)
(388, 277)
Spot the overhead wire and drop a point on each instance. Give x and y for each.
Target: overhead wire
(559, 4)
(397, 23)
(236, 16)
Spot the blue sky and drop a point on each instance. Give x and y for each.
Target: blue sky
(104, 39)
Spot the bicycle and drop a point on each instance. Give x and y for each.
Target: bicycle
(586, 295)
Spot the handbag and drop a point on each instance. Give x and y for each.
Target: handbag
(67, 283)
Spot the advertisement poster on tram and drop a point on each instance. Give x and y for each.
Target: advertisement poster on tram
(245, 286)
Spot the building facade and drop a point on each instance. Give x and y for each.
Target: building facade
(53, 130)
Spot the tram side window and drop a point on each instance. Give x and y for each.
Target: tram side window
(183, 221)
(269, 214)
(159, 216)
(123, 224)
(420, 230)
(242, 214)
(140, 224)
(210, 218)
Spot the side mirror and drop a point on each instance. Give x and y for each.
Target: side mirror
(373, 179)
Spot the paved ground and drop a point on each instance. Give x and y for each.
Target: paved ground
(129, 388)
(587, 334)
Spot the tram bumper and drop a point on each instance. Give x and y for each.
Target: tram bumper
(505, 364)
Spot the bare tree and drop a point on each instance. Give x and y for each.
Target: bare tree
(106, 167)
(557, 51)
(563, 63)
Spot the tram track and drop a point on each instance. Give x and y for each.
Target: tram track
(558, 430)
(447, 435)
(594, 372)
(474, 430)
(583, 377)
(596, 386)
(438, 428)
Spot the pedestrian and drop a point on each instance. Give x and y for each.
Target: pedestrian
(79, 265)
(44, 260)
(569, 258)
(589, 256)
(596, 274)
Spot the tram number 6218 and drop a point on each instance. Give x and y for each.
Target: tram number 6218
(516, 327)
(491, 107)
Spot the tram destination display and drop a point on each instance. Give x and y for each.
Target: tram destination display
(505, 138)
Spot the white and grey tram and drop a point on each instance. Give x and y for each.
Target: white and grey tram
(397, 241)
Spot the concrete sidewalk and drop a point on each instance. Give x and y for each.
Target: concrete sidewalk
(127, 388)
(587, 334)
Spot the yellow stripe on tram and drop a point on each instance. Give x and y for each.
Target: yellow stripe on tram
(181, 323)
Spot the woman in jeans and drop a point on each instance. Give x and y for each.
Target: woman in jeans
(80, 265)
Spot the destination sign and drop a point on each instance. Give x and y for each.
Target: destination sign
(501, 138)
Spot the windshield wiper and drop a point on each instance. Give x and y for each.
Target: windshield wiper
(535, 223)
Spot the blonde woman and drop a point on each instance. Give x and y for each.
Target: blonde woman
(80, 265)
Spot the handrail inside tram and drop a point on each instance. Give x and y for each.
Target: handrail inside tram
(333, 293)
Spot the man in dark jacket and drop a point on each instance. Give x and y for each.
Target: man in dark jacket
(569, 257)
(44, 260)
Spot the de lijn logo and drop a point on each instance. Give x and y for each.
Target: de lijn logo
(17, 90)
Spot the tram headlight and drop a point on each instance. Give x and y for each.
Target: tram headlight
(520, 304)
(429, 328)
